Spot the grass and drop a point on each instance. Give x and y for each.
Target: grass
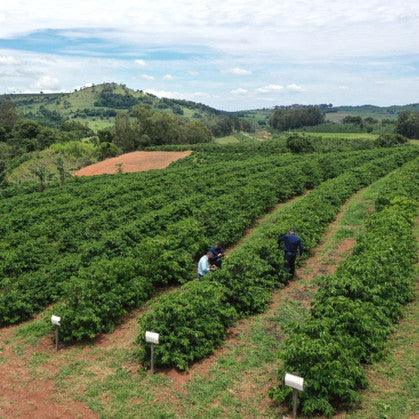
(227, 140)
(347, 135)
(357, 209)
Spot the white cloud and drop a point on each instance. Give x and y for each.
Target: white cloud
(193, 73)
(8, 60)
(237, 71)
(270, 88)
(147, 77)
(198, 95)
(163, 93)
(295, 88)
(168, 77)
(140, 63)
(47, 83)
(239, 91)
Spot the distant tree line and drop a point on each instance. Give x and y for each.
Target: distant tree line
(407, 123)
(284, 119)
(150, 127)
(19, 136)
(94, 112)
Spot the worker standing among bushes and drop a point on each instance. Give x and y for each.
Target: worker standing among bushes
(204, 266)
(292, 244)
(218, 254)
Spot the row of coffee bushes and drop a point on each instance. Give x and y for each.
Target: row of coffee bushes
(355, 310)
(248, 276)
(276, 145)
(90, 304)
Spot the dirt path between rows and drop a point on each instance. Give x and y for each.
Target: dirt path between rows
(137, 161)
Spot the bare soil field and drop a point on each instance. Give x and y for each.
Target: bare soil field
(137, 161)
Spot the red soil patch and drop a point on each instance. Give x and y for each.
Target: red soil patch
(137, 161)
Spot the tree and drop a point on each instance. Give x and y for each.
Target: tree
(164, 129)
(61, 170)
(8, 115)
(356, 120)
(408, 124)
(47, 137)
(42, 174)
(3, 133)
(220, 125)
(24, 134)
(106, 135)
(195, 132)
(77, 130)
(3, 172)
(245, 125)
(107, 150)
(284, 119)
(124, 133)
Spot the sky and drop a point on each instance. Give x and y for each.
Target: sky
(229, 54)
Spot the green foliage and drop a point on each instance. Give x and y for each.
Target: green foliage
(77, 129)
(43, 175)
(284, 119)
(191, 323)
(354, 310)
(390, 140)
(124, 133)
(408, 124)
(107, 150)
(75, 148)
(299, 144)
(8, 115)
(220, 126)
(107, 98)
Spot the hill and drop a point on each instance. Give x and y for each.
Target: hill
(98, 105)
(377, 112)
(335, 113)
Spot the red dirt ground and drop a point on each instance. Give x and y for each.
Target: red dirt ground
(137, 161)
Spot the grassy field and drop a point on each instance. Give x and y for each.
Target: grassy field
(227, 140)
(74, 156)
(348, 135)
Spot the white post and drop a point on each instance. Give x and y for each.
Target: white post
(152, 338)
(296, 383)
(57, 328)
(152, 358)
(294, 402)
(57, 321)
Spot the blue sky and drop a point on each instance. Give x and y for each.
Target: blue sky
(230, 54)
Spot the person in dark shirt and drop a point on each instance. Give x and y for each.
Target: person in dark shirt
(218, 253)
(292, 244)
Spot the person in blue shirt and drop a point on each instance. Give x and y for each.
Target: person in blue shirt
(218, 253)
(204, 266)
(292, 244)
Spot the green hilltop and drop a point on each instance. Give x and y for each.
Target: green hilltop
(98, 105)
